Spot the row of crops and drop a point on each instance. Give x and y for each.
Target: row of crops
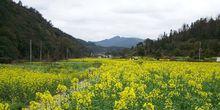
(125, 84)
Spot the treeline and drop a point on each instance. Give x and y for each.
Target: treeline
(20, 24)
(200, 37)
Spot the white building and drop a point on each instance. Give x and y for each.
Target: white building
(218, 59)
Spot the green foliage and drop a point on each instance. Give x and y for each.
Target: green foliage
(186, 41)
(19, 25)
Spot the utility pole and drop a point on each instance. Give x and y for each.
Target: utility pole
(3, 51)
(67, 53)
(48, 55)
(148, 48)
(40, 50)
(200, 49)
(30, 51)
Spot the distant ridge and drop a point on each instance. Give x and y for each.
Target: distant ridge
(118, 41)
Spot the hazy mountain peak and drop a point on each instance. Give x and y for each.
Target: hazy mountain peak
(116, 37)
(118, 41)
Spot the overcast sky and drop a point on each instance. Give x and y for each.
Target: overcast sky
(93, 20)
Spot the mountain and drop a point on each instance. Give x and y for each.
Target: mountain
(202, 36)
(97, 50)
(19, 25)
(118, 41)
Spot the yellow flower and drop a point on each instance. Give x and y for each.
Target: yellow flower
(148, 106)
(61, 88)
(4, 106)
(121, 104)
(128, 94)
(118, 85)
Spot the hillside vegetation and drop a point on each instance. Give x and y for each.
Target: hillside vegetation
(19, 25)
(203, 35)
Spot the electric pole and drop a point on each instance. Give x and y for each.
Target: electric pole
(41, 50)
(67, 53)
(200, 49)
(48, 55)
(2, 53)
(30, 51)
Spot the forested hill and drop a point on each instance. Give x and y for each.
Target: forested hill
(19, 25)
(203, 35)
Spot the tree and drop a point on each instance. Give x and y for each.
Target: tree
(184, 42)
(20, 3)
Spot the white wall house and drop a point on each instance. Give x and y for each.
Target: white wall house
(218, 59)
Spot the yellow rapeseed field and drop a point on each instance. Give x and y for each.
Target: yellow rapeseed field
(127, 84)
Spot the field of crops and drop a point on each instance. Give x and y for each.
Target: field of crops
(116, 84)
(20, 82)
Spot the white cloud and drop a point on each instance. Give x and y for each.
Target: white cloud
(101, 19)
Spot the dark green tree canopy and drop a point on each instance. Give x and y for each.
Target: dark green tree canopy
(19, 25)
(186, 41)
